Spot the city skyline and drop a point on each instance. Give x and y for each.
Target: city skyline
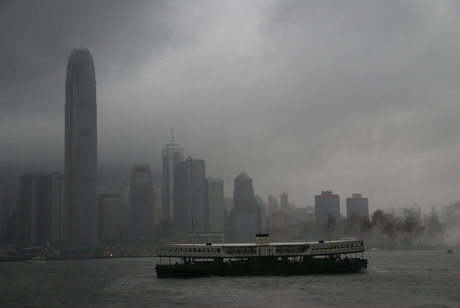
(354, 105)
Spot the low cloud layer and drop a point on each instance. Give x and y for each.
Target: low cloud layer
(304, 96)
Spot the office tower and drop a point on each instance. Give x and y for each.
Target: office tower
(280, 226)
(190, 212)
(245, 222)
(272, 204)
(261, 208)
(54, 183)
(123, 191)
(142, 202)
(243, 194)
(109, 218)
(81, 149)
(357, 215)
(357, 206)
(41, 209)
(215, 200)
(171, 155)
(157, 202)
(284, 202)
(31, 207)
(327, 213)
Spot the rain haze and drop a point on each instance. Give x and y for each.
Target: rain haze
(303, 96)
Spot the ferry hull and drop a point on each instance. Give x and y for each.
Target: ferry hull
(210, 269)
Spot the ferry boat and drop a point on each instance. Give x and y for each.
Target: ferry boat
(260, 258)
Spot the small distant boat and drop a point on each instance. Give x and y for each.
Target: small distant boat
(36, 260)
(450, 251)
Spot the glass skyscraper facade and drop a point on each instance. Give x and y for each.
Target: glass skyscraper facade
(142, 202)
(171, 155)
(81, 149)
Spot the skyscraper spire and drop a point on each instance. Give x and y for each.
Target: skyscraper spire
(172, 133)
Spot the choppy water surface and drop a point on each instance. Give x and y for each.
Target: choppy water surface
(408, 279)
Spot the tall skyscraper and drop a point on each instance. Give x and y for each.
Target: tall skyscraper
(109, 218)
(357, 214)
(327, 213)
(243, 194)
(190, 212)
(284, 202)
(41, 210)
(245, 220)
(272, 204)
(142, 202)
(171, 155)
(215, 201)
(81, 149)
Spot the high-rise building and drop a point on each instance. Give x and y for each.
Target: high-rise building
(171, 155)
(357, 206)
(55, 200)
(32, 210)
(109, 218)
(81, 149)
(327, 214)
(41, 210)
(357, 215)
(284, 202)
(243, 194)
(190, 211)
(215, 200)
(142, 202)
(272, 204)
(245, 219)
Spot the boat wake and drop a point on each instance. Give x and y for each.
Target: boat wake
(376, 270)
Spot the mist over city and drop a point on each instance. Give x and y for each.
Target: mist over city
(302, 96)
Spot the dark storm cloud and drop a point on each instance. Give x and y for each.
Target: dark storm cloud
(304, 96)
(37, 37)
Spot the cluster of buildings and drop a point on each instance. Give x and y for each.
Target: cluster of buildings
(66, 210)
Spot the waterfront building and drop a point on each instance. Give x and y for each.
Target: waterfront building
(284, 203)
(157, 202)
(171, 155)
(109, 218)
(272, 204)
(141, 198)
(357, 215)
(215, 204)
(41, 210)
(54, 183)
(81, 149)
(357, 206)
(327, 215)
(190, 209)
(279, 226)
(245, 219)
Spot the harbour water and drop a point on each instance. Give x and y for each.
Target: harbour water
(393, 279)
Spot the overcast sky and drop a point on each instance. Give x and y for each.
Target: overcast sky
(304, 96)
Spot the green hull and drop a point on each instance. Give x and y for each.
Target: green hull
(260, 267)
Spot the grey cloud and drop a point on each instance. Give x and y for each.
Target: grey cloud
(354, 96)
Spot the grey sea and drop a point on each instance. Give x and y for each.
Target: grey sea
(393, 279)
